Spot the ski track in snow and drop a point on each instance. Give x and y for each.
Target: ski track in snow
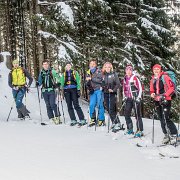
(30, 151)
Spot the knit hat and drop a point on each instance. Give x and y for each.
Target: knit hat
(15, 61)
(129, 67)
(156, 66)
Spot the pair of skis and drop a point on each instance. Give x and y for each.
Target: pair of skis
(164, 150)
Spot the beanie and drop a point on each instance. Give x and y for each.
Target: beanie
(129, 67)
(157, 66)
(15, 61)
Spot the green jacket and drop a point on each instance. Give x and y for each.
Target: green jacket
(76, 77)
(56, 76)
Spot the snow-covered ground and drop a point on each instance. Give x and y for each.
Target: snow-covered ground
(30, 151)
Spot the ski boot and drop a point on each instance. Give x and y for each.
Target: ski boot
(101, 123)
(73, 122)
(129, 132)
(57, 120)
(166, 139)
(92, 123)
(138, 134)
(82, 123)
(27, 117)
(173, 138)
(117, 127)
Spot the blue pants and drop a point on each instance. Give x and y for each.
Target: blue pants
(97, 98)
(50, 100)
(18, 96)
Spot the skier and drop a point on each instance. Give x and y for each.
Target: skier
(17, 81)
(111, 84)
(132, 92)
(70, 84)
(161, 91)
(46, 79)
(94, 82)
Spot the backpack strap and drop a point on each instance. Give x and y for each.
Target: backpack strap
(52, 77)
(163, 80)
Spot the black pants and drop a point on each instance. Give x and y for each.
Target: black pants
(50, 100)
(163, 111)
(71, 97)
(130, 104)
(110, 102)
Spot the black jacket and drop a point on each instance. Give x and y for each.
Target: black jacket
(111, 81)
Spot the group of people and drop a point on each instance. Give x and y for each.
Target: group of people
(102, 85)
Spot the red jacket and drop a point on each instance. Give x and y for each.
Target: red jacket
(158, 87)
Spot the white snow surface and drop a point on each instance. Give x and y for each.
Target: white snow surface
(30, 151)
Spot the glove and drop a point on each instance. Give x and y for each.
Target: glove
(37, 83)
(138, 100)
(159, 98)
(163, 100)
(15, 88)
(78, 93)
(124, 99)
(57, 85)
(110, 90)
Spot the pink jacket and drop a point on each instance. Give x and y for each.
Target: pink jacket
(127, 91)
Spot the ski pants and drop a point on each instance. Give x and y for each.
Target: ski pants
(130, 104)
(97, 98)
(110, 102)
(163, 111)
(71, 97)
(18, 96)
(50, 101)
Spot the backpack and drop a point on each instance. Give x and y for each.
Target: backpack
(51, 79)
(172, 76)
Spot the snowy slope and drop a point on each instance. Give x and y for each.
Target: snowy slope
(30, 151)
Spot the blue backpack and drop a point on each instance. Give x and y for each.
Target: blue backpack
(172, 75)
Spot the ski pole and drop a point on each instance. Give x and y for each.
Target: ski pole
(40, 107)
(178, 125)
(177, 137)
(88, 117)
(10, 111)
(14, 100)
(109, 111)
(62, 107)
(136, 114)
(58, 94)
(122, 106)
(153, 127)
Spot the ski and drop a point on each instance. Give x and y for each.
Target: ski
(167, 156)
